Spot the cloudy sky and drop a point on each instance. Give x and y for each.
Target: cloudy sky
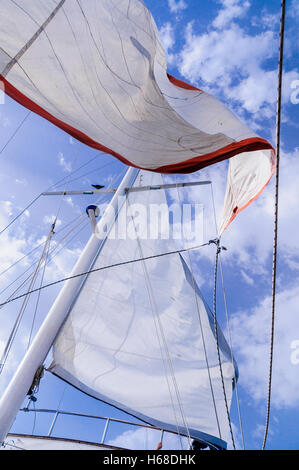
(230, 49)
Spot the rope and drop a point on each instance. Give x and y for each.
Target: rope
(232, 357)
(205, 349)
(23, 307)
(218, 250)
(15, 132)
(101, 269)
(228, 325)
(274, 264)
(80, 219)
(39, 292)
(20, 213)
(158, 322)
(201, 329)
(59, 183)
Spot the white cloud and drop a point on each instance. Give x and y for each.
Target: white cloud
(230, 62)
(249, 280)
(168, 40)
(4, 120)
(61, 264)
(250, 235)
(266, 20)
(167, 36)
(257, 93)
(251, 334)
(232, 9)
(12, 246)
(67, 167)
(294, 9)
(219, 57)
(176, 6)
(22, 181)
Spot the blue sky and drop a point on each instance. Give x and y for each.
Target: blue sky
(228, 48)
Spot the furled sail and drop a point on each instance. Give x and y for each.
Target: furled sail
(97, 69)
(141, 336)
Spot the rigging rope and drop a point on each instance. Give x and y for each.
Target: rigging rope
(15, 132)
(201, 329)
(231, 350)
(42, 259)
(80, 220)
(205, 349)
(101, 269)
(20, 213)
(218, 249)
(274, 263)
(59, 183)
(159, 326)
(228, 324)
(38, 295)
(23, 307)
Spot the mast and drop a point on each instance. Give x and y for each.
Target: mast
(21, 382)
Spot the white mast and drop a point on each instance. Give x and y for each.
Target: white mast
(17, 390)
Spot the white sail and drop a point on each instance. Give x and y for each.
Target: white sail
(141, 337)
(97, 69)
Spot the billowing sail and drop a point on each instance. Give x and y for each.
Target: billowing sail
(97, 69)
(141, 337)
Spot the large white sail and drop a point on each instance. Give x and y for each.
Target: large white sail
(141, 337)
(97, 69)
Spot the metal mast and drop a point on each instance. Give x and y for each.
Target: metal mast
(16, 391)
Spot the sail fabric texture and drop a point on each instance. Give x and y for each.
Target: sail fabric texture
(97, 69)
(141, 336)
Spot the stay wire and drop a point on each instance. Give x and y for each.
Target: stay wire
(159, 328)
(20, 213)
(15, 132)
(101, 269)
(80, 220)
(228, 325)
(23, 307)
(236, 387)
(39, 293)
(218, 249)
(60, 182)
(201, 328)
(43, 258)
(274, 261)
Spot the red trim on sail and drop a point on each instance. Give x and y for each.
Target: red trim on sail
(187, 166)
(179, 83)
(197, 163)
(16, 95)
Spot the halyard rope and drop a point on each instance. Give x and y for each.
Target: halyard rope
(274, 264)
